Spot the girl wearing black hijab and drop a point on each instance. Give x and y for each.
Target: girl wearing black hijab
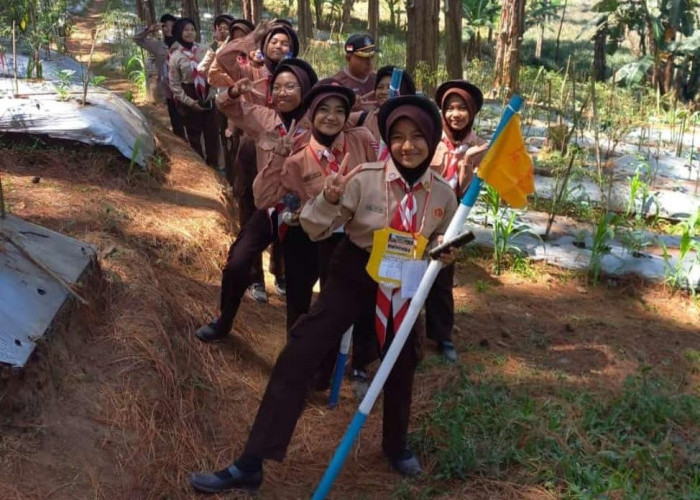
(456, 157)
(402, 196)
(272, 130)
(191, 92)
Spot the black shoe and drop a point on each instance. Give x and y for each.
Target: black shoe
(408, 465)
(209, 333)
(447, 349)
(227, 479)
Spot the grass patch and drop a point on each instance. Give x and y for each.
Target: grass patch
(640, 443)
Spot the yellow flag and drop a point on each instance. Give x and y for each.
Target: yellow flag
(507, 167)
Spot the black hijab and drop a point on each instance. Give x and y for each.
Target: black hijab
(305, 75)
(179, 28)
(425, 115)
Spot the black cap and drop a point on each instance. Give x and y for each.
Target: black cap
(329, 86)
(241, 24)
(361, 45)
(417, 101)
(283, 27)
(223, 18)
(469, 88)
(297, 66)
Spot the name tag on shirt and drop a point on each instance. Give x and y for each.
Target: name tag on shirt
(412, 272)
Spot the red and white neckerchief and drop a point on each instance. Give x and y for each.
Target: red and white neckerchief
(199, 78)
(383, 151)
(333, 157)
(280, 207)
(451, 171)
(405, 219)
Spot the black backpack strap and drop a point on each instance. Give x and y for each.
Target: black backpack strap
(362, 118)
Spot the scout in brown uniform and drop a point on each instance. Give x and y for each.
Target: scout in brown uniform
(255, 57)
(302, 176)
(192, 93)
(273, 129)
(458, 154)
(159, 49)
(373, 197)
(358, 74)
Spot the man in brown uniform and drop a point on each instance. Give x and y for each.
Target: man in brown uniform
(358, 75)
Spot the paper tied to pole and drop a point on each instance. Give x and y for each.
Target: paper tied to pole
(395, 260)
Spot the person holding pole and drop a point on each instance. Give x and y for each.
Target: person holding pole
(392, 211)
(457, 156)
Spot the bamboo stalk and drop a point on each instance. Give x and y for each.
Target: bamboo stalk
(2, 201)
(14, 55)
(86, 76)
(596, 137)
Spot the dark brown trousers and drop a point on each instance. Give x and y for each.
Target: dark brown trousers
(440, 307)
(348, 293)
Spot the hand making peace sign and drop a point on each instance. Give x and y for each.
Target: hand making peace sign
(334, 184)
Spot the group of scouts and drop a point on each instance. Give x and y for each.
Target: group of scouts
(336, 174)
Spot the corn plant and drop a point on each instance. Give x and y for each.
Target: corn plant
(603, 236)
(136, 69)
(504, 229)
(62, 86)
(676, 274)
(635, 241)
(640, 192)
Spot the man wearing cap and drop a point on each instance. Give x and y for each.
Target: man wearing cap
(358, 74)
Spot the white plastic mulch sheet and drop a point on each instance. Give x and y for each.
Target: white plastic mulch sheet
(30, 298)
(107, 119)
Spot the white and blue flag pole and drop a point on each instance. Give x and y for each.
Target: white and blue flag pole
(394, 91)
(340, 368)
(397, 344)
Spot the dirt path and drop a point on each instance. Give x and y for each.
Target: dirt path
(80, 41)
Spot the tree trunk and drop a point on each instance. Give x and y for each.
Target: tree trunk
(252, 10)
(218, 8)
(422, 42)
(508, 46)
(453, 38)
(170, 6)
(347, 12)
(561, 24)
(540, 39)
(599, 55)
(373, 19)
(191, 10)
(318, 12)
(305, 23)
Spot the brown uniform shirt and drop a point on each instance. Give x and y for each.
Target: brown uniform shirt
(259, 121)
(445, 153)
(232, 63)
(180, 71)
(159, 50)
(360, 87)
(368, 195)
(304, 171)
(370, 121)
